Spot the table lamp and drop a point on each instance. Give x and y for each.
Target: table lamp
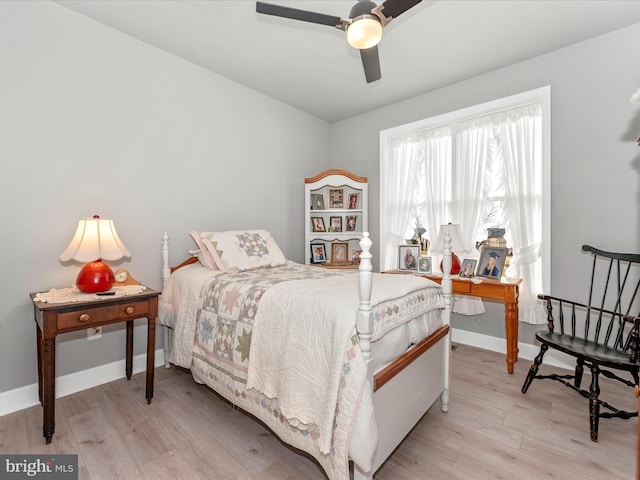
(456, 245)
(95, 239)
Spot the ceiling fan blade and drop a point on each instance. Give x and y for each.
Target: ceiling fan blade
(371, 64)
(393, 8)
(296, 14)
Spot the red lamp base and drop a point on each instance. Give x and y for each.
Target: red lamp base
(95, 277)
(455, 264)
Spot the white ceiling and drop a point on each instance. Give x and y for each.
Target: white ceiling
(311, 67)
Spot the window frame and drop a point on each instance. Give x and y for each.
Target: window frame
(542, 95)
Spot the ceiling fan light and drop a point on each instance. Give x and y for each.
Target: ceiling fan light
(364, 32)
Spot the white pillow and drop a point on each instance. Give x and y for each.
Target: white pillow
(204, 257)
(242, 250)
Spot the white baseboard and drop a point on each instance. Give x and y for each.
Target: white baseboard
(526, 350)
(27, 396)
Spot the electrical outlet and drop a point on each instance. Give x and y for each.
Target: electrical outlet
(94, 333)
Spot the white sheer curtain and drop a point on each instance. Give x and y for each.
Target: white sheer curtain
(472, 154)
(440, 206)
(520, 133)
(397, 184)
(437, 174)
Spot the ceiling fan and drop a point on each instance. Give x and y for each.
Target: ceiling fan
(364, 27)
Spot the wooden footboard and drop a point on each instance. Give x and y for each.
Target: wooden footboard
(400, 363)
(405, 399)
(406, 389)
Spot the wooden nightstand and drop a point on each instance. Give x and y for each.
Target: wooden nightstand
(55, 318)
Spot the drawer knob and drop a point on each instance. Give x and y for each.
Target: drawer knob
(84, 317)
(129, 310)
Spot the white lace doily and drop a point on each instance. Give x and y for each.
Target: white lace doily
(72, 294)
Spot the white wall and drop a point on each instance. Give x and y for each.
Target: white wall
(595, 162)
(96, 122)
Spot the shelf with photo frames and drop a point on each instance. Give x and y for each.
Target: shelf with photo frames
(336, 215)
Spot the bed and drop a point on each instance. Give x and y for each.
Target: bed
(338, 363)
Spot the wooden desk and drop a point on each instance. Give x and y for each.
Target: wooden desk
(505, 290)
(55, 318)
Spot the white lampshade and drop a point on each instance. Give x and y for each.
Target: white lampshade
(95, 238)
(456, 241)
(364, 32)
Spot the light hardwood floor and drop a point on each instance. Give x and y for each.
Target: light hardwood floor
(492, 431)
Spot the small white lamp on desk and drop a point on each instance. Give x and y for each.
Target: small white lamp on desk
(456, 245)
(95, 240)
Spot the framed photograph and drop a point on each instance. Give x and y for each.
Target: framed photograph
(353, 200)
(491, 262)
(317, 201)
(352, 223)
(336, 198)
(408, 257)
(318, 253)
(335, 223)
(318, 224)
(468, 268)
(424, 264)
(339, 252)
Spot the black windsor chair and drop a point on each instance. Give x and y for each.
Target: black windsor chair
(602, 334)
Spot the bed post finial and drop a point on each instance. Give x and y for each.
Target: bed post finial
(364, 322)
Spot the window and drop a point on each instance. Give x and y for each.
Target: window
(481, 167)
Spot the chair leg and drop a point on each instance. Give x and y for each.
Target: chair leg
(533, 371)
(579, 371)
(594, 403)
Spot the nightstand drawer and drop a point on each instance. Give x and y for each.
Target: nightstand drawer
(109, 313)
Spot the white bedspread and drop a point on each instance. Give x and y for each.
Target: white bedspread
(302, 330)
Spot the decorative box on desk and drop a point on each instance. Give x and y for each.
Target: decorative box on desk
(505, 290)
(68, 316)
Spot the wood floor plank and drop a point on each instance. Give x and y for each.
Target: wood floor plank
(492, 431)
(14, 433)
(169, 465)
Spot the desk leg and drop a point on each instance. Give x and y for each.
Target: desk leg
(129, 358)
(39, 351)
(511, 325)
(151, 351)
(48, 387)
